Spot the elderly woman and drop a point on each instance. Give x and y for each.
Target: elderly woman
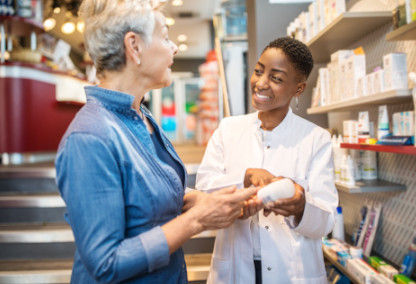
(258, 148)
(120, 177)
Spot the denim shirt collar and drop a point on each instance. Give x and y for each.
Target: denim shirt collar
(109, 98)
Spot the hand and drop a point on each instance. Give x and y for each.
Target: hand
(218, 209)
(257, 177)
(191, 198)
(251, 207)
(289, 206)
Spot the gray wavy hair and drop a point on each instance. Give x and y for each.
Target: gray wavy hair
(107, 22)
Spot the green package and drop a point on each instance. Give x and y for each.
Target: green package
(403, 279)
(376, 262)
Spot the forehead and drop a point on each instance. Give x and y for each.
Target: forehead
(160, 22)
(276, 58)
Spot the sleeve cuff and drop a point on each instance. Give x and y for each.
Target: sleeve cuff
(306, 218)
(156, 248)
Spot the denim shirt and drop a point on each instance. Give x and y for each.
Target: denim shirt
(118, 194)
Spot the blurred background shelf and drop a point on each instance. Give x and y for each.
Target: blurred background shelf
(370, 186)
(390, 97)
(21, 26)
(344, 30)
(341, 268)
(406, 32)
(407, 150)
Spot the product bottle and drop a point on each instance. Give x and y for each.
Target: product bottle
(337, 158)
(349, 174)
(369, 165)
(356, 157)
(338, 231)
(409, 260)
(343, 168)
(383, 122)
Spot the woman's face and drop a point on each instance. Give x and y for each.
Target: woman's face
(157, 57)
(274, 81)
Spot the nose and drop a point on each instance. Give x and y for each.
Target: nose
(262, 82)
(175, 48)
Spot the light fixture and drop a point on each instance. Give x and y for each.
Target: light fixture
(177, 2)
(81, 26)
(183, 47)
(182, 38)
(170, 21)
(68, 27)
(49, 24)
(57, 10)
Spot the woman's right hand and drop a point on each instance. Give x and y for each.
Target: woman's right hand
(219, 209)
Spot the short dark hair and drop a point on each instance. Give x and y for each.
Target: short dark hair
(297, 52)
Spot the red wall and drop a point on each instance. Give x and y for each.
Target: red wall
(31, 119)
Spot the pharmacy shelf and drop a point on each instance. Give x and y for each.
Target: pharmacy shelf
(346, 29)
(341, 268)
(20, 26)
(406, 32)
(390, 97)
(406, 150)
(370, 186)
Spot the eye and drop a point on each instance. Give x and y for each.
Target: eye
(258, 72)
(277, 79)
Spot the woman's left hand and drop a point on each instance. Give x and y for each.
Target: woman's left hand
(289, 206)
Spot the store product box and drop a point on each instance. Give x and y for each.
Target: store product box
(370, 84)
(395, 71)
(337, 76)
(323, 82)
(378, 82)
(341, 7)
(388, 271)
(321, 14)
(350, 132)
(402, 279)
(313, 14)
(355, 69)
(362, 87)
(361, 270)
(380, 279)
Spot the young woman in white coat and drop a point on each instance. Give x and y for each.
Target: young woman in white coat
(257, 148)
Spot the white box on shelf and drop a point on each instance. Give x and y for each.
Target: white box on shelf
(370, 84)
(362, 87)
(313, 12)
(355, 70)
(350, 132)
(341, 7)
(378, 83)
(395, 71)
(321, 14)
(324, 85)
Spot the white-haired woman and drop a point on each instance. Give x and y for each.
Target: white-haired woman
(120, 177)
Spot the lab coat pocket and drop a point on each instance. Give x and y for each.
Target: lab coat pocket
(220, 272)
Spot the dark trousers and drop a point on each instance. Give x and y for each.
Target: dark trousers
(257, 269)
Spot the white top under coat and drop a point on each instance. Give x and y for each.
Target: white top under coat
(299, 150)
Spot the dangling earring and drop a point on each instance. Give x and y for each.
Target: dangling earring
(297, 103)
(138, 61)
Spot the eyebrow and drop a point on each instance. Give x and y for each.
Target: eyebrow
(273, 69)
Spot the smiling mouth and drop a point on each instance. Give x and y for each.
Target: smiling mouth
(262, 97)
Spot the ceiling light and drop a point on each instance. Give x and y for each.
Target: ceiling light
(182, 38)
(177, 2)
(49, 24)
(57, 10)
(81, 26)
(170, 21)
(68, 27)
(183, 47)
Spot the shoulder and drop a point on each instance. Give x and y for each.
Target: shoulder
(91, 121)
(311, 128)
(232, 122)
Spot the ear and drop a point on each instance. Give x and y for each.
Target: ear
(133, 46)
(300, 88)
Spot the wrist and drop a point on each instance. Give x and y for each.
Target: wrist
(194, 224)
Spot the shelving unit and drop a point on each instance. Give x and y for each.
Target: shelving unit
(20, 26)
(390, 97)
(341, 268)
(345, 29)
(370, 186)
(406, 150)
(406, 32)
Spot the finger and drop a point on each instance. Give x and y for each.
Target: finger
(242, 195)
(226, 190)
(282, 212)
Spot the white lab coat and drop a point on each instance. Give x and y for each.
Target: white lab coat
(299, 150)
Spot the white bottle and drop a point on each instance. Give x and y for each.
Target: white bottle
(349, 174)
(283, 188)
(356, 158)
(337, 158)
(338, 231)
(343, 168)
(369, 169)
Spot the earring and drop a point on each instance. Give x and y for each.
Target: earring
(297, 103)
(138, 61)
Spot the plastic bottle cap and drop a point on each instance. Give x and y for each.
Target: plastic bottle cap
(339, 210)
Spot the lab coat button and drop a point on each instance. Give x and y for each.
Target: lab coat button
(268, 147)
(269, 268)
(267, 228)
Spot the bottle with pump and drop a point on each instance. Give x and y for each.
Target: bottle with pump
(409, 261)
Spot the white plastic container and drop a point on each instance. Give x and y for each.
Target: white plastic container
(338, 231)
(283, 188)
(369, 165)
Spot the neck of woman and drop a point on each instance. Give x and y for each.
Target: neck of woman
(124, 82)
(272, 118)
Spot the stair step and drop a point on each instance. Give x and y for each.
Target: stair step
(51, 233)
(52, 200)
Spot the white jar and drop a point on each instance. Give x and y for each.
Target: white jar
(369, 165)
